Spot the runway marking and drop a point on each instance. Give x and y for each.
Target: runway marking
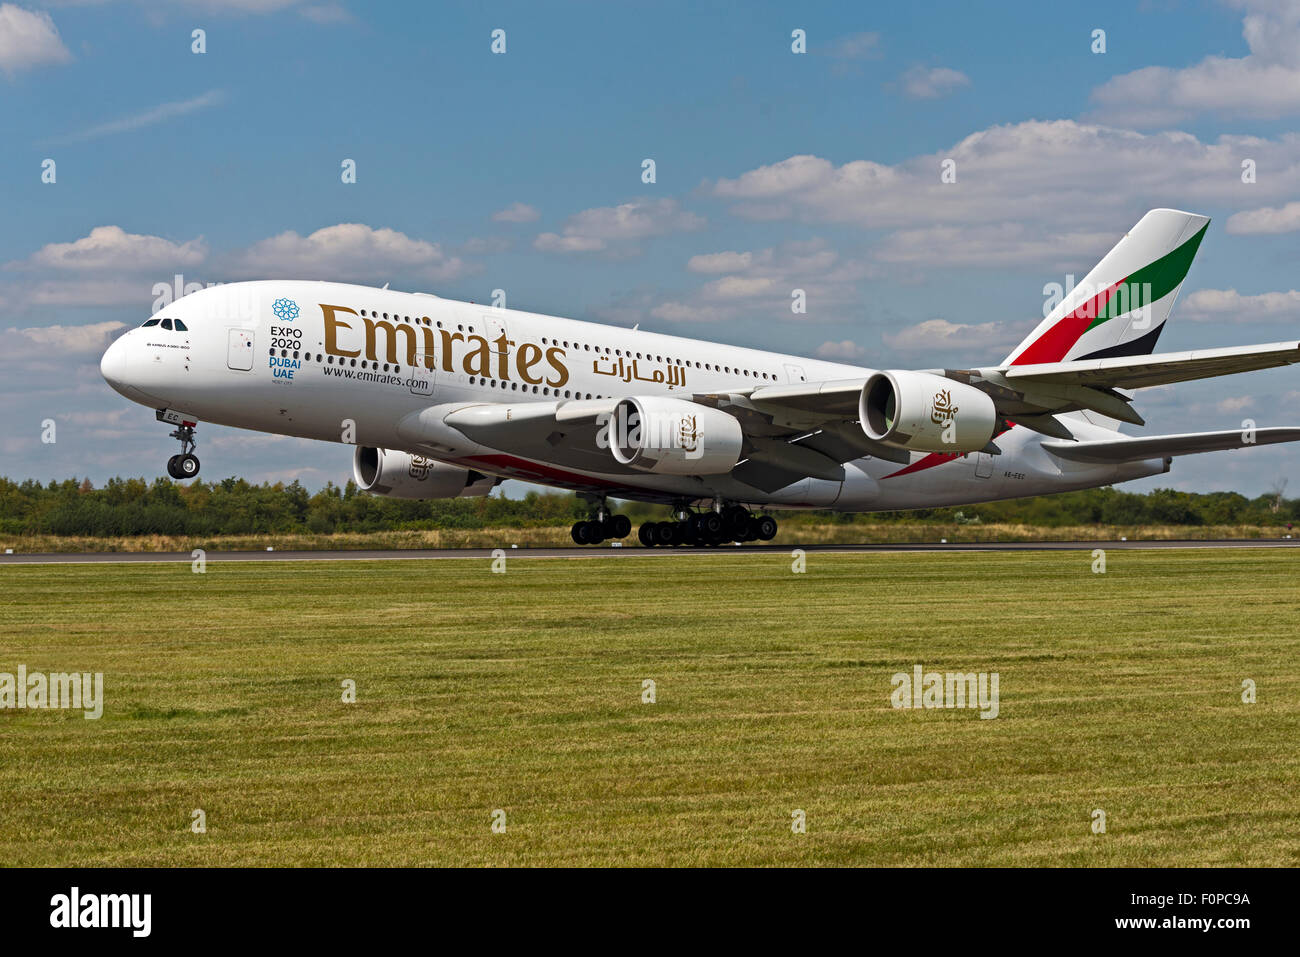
(373, 555)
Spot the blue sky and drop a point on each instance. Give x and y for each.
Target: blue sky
(522, 171)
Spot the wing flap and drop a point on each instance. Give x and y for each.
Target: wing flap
(833, 398)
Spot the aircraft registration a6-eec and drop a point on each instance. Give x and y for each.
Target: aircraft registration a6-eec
(445, 399)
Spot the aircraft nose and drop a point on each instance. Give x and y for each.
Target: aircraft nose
(113, 366)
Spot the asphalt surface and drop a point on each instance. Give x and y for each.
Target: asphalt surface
(608, 551)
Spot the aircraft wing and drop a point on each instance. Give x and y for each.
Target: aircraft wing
(562, 433)
(1110, 451)
(804, 429)
(783, 443)
(1139, 372)
(799, 430)
(1031, 394)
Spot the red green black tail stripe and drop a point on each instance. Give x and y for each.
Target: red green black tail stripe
(1149, 284)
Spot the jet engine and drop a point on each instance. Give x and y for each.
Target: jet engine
(403, 475)
(673, 436)
(924, 412)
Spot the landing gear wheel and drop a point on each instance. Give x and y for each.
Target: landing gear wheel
(185, 465)
(710, 525)
(686, 533)
(766, 528)
(734, 520)
(665, 533)
(646, 533)
(601, 524)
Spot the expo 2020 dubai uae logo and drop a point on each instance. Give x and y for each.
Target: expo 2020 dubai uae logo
(285, 309)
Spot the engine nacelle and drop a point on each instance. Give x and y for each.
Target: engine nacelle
(403, 475)
(919, 410)
(673, 436)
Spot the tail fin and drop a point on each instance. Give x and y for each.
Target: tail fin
(1121, 306)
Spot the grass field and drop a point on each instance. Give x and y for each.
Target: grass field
(798, 531)
(523, 692)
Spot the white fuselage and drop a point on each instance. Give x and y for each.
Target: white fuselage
(348, 363)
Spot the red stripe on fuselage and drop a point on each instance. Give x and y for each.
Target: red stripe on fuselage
(932, 459)
(926, 462)
(546, 474)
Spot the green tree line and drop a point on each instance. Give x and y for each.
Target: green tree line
(233, 506)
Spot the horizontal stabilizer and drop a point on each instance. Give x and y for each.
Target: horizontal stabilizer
(1109, 451)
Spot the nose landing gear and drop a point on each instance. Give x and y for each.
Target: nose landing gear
(185, 465)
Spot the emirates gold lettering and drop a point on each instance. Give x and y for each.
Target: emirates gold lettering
(401, 344)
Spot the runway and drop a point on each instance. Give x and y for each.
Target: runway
(430, 554)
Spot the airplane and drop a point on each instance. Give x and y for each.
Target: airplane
(446, 399)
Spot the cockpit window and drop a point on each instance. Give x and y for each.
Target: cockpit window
(180, 326)
(148, 323)
(166, 323)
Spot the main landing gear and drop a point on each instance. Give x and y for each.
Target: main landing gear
(732, 523)
(185, 465)
(604, 524)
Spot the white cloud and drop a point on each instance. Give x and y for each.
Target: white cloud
(516, 213)
(1235, 403)
(934, 335)
(112, 248)
(256, 7)
(720, 262)
(109, 267)
(1282, 219)
(326, 13)
(855, 46)
(100, 419)
(28, 39)
(346, 251)
(592, 230)
(674, 311)
(1001, 244)
(764, 281)
(1061, 184)
(739, 287)
(1229, 306)
(318, 12)
(58, 342)
(921, 83)
(555, 243)
(150, 117)
(478, 246)
(1264, 84)
(111, 291)
(848, 349)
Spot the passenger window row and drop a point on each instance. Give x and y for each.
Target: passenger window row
(504, 385)
(629, 354)
(329, 360)
(417, 321)
(587, 347)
